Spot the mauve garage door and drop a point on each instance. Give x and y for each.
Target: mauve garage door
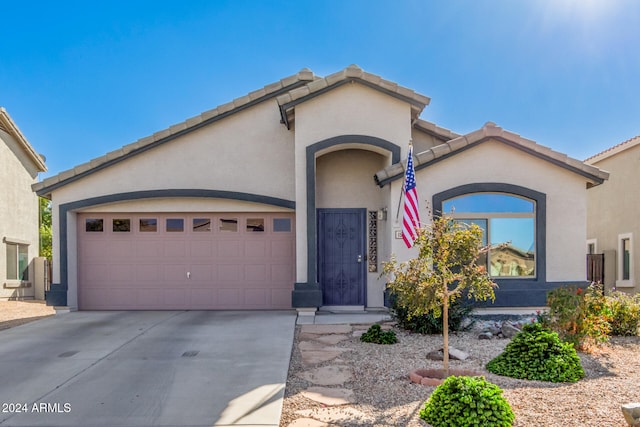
(185, 261)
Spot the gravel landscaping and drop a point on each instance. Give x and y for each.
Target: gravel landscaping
(384, 396)
(14, 313)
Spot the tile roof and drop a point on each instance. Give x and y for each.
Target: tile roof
(8, 125)
(490, 131)
(625, 145)
(274, 89)
(289, 100)
(435, 130)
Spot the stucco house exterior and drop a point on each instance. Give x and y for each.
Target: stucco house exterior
(19, 211)
(288, 197)
(613, 221)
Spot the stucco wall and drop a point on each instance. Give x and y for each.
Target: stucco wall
(18, 209)
(496, 162)
(352, 109)
(614, 208)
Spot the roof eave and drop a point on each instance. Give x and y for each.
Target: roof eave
(13, 129)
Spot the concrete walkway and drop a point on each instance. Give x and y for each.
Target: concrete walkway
(338, 318)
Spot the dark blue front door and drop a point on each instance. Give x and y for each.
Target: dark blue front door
(341, 252)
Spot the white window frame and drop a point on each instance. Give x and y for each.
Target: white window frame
(593, 242)
(17, 243)
(620, 283)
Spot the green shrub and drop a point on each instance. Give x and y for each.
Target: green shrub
(579, 316)
(467, 401)
(430, 324)
(376, 335)
(625, 313)
(537, 353)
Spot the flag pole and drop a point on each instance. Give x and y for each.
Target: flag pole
(402, 192)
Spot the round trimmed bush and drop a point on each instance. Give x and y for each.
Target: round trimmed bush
(537, 353)
(467, 401)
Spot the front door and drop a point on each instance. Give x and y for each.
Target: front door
(341, 253)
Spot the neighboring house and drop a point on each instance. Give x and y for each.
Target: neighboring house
(19, 211)
(288, 197)
(613, 220)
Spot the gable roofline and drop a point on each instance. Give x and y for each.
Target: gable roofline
(612, 151)
(352, 73)
(269, 91)
(434, 130)
(491, 132)
(8, 125)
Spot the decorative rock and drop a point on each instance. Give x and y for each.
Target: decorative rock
(486, 335)
(329, 396)
(338, 416)
(631, 412)
(454, 353)
(435, 377)
(308, 422)
(509, 330)
(328, 375)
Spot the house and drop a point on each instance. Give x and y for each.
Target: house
(288, 197)
(19, 211)
(613, 224)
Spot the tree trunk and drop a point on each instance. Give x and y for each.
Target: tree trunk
(445, 333)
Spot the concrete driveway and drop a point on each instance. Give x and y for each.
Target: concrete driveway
(154, 368)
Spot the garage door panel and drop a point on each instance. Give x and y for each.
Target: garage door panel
(149, 249)
(230, 266)
(120, 249)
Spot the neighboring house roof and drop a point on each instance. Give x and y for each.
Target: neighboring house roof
(490, 131)
(618, 148)
(9, 126)
(272, 90)
(352, 73)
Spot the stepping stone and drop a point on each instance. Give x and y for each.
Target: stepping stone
(313, 357)
(325, 329)
(332, 339)
(338, 416)
(318, 346)
(308, 422)
(328, 375)
(329, 396)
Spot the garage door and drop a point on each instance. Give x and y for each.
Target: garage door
(185, 261)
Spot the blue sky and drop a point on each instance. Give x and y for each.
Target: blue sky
(82, 78)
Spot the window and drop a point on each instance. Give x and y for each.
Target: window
(508, 222)
(201, 224)
(94, 225)
(625, 260)
(121, 225)
(175, 225)
(228, 224)
(282, 224)
(17, 262)
(148, 225)
(255, 224)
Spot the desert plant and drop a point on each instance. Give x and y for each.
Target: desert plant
(537, 353)
(467, 401)
(429, 323)
(579, 316)
(445, 268)
(376, 335)
(625, 313)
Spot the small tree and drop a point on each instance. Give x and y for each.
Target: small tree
(45, 228)
(446, 266)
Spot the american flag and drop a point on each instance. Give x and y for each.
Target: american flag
(411, 217)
